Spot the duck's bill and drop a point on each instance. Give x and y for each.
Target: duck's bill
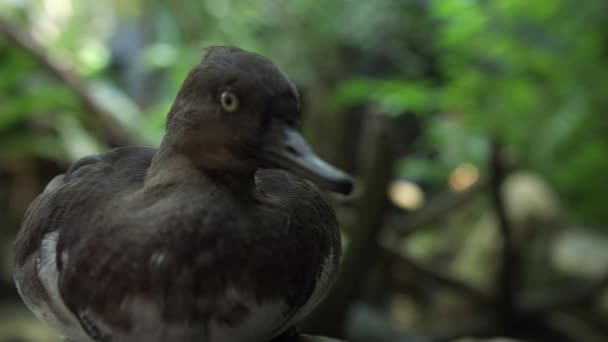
(292, 153)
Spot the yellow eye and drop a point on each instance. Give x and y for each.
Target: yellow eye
(229, 101)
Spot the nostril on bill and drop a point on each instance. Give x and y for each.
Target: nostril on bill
(292, 150)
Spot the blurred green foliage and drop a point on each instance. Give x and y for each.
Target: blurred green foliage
(532, 73)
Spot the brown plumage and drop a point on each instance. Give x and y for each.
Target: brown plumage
(205, 239)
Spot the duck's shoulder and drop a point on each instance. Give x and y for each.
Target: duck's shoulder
(133, 160)
(280, 181)
(294, 194)
(86, 183)
(305, 209)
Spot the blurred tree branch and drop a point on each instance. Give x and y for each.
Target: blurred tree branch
(386, 241)
(509, 270)
(573, 328)
(580, 293)
(113, 133)
(437, 208)
(514, 310)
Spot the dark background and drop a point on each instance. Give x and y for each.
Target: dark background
(477, 130)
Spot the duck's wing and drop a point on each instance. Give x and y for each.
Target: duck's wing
(323, 281)
(37, 261)
(57, 219)
(308, 211)
(87, 182)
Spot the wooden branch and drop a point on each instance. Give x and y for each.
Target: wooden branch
(571, 296)
(509, 270)
(113, 132)
(437, 208)
(387, 242)
(573, 328)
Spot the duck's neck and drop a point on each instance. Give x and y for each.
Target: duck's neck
(171, 167)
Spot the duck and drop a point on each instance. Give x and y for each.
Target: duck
(219, 235)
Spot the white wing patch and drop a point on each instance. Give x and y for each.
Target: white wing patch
(63, 320)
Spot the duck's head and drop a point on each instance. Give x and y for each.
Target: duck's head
(237, 112)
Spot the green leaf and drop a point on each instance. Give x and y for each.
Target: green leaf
(395, 95)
